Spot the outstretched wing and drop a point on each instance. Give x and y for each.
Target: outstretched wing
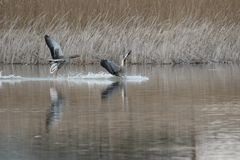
(58, 53)
(54, 47)
(111, 67)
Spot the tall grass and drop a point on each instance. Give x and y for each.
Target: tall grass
(84, 10)
(156, 31)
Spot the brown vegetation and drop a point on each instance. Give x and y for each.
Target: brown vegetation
(157, 31)
(74, 10)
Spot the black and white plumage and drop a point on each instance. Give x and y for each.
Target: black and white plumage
(113, 68)
(58, 58)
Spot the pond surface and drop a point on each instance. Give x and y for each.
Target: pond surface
(157, 112)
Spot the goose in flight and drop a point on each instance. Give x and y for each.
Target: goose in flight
(58, 59)
(113, 68)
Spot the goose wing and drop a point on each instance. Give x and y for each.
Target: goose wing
(54, 47)
(111, 67)
(57, 51)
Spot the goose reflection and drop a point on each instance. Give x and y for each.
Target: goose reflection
(55, 111)
(0, 77)
(113, 89)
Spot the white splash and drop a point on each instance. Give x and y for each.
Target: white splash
(91, 75)
(105, 76)
(138, 78)
(79, 78)
(9, 77)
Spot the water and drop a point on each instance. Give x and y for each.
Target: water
(156, 112)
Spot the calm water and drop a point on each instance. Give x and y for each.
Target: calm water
(179, 113)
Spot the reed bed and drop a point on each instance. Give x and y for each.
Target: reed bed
(170, 10)
(167, 36)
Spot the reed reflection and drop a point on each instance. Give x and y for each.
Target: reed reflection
(54, 113)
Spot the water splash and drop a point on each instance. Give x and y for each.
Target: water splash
(9, 77)
(138, 78)
(79, 78)
(91, 75)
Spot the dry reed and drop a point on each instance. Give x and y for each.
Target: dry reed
(156, 31)
(115, 9)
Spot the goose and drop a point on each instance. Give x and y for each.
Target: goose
(58, 58)
(113, 68)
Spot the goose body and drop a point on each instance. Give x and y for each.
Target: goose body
(113, 68)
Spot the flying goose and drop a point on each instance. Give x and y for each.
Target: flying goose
(113, 68)
(58, 59)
